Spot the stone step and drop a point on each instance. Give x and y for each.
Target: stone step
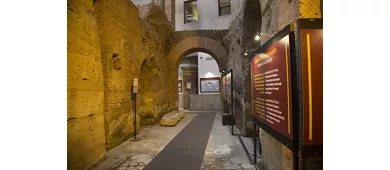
(172, 118)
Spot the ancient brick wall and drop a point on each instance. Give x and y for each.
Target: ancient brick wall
(236, 53)
(241, 38)
(120, 33)
(177, 36)
(85, 120)
(276, 14)
(108, 46)
(154, 98)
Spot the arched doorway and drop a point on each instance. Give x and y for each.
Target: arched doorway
(198, 83)
(189, 45)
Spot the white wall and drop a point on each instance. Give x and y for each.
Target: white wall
(208, 15)
(206, 69)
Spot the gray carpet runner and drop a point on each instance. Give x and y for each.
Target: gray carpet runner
(186, 150)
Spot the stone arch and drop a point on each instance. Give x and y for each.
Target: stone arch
(193, 50)
(198, 44)
(186, 46)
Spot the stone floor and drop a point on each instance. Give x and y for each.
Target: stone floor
(223, 151)
(135, 155)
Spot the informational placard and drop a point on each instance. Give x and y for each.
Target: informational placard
(271, 87)
(228, 79)
(188, 85)
(135, 85)
(209, 85)
(312, 81)
(180, 88)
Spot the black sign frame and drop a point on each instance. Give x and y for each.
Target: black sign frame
(291, 144)
(231, 114)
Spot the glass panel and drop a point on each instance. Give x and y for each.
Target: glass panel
(190, 12)
(224, 10)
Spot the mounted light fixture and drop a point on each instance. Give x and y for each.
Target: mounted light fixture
(257, 37)
(248, 50)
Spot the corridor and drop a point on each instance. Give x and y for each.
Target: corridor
(198, 141)
(194, 85)
(133, 65)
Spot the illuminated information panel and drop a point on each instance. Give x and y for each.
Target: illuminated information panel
(271, 87)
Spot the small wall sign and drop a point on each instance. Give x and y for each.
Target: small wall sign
(135, 85)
